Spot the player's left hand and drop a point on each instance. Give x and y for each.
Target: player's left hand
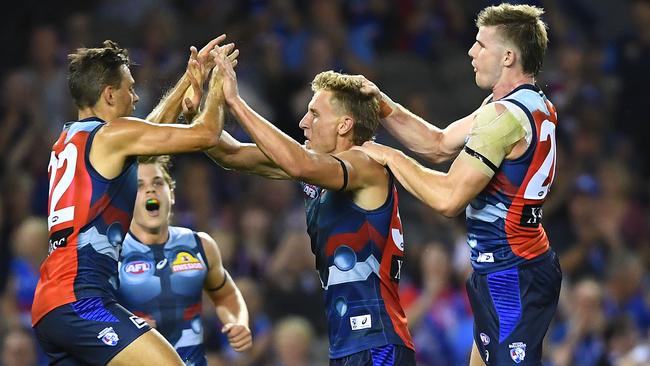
(377, 152)
(223, 60)
(239, 336)
(193, 95)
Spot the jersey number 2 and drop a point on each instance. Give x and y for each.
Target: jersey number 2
(536, 190)
(58, 187)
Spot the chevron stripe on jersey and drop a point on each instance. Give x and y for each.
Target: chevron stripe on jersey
(88, 216)
(504, 220)
(359, 255)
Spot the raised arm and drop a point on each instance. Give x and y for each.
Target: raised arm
(348, 171)
(247, 158)
(170, 106)
(496, 135)
(124, 137)
(423, 138)
(226, 297)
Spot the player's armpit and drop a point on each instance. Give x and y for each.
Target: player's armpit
(496, 130)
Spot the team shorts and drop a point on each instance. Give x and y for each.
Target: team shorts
(389, 355)
(89, 331)
(513, 309)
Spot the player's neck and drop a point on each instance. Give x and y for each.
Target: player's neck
(507, 84)
(343, 144)
(149, 236)
(96, 111)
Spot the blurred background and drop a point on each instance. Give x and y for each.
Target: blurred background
(597, 216)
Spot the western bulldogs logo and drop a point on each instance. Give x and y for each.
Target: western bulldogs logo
(109, 337)
(517, 351)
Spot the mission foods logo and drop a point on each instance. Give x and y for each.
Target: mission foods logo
(185, 261)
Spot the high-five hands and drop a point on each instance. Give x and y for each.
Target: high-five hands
(199, 66)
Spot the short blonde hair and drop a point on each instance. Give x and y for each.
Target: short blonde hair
(522, 25)
(347, 96)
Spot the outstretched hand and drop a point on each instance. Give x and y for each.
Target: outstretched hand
(375, 151)
(224, 67)
(199, 65)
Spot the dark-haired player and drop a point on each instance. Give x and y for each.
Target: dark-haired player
(93, 185)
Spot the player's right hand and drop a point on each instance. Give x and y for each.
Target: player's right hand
(239, 336)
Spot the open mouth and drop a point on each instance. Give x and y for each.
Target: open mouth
(152, 206)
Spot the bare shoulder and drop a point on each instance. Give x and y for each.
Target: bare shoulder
(365, 167)
(210, 248)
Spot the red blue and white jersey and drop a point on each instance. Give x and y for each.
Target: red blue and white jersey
(359, 257)
(88, 217)
(504, 221)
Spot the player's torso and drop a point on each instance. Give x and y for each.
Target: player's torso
(164, 282)
(88, 216)
(359, 256)
(504, 220)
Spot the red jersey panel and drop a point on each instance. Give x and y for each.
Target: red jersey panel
(504, 220)
(88, 216)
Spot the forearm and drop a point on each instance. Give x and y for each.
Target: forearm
(169, 107)
(432, 143)
(231, 308)
(281, 149)
(210, 119)
(248, 158)
(428, 185)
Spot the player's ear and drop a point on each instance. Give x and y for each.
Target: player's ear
(345, 124)
(173, 198)
(108, 94)
(509, 57)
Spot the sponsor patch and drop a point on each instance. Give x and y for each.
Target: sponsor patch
(485, 258)
(138, 321)
(485, 339)
(360, 322)
(517, 351)
(185, 261)
(109, 337)
(531, 216)
(396, 263)
(59, 239)
(310, 190)
(137, 267)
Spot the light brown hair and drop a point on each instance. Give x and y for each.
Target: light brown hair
(521, 25)
(164, 162)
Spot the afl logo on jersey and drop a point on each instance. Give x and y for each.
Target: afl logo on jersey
(137, 267)
(310, 190)
(185, 261)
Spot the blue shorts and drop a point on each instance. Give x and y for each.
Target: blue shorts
(389, 355)
(89, 331)
(513, 309)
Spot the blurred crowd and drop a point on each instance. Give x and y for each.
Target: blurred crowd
(598, 214)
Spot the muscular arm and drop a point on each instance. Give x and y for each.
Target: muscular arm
(228, 300)
(127, 136)
(248, 158)
(432, 143)
(169, 107)
(302, 164)
(491, 139)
